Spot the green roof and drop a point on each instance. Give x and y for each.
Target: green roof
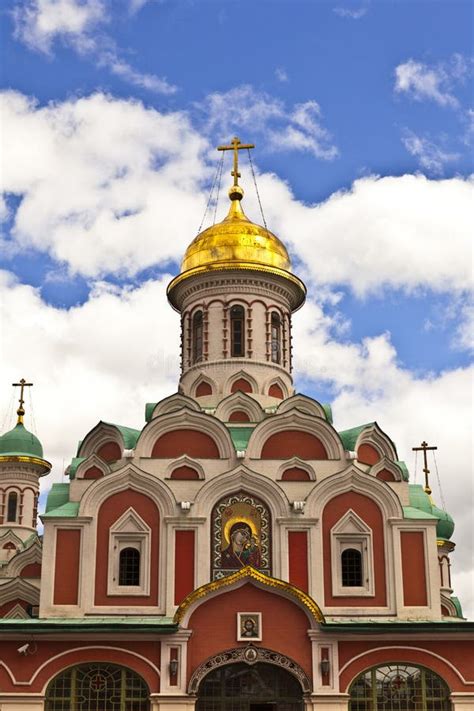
(20, 442)
(327, 411)
(412, 512)
(130, 435)
(457, 605)
(349, 437)
(58, 495)
(72, 468)
(420, 500)
(67, 510)
(119, 624)
(240, 436)
(404, 469)
(149, 407)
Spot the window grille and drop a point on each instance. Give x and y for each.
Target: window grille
(129, 567)
(97, 687)
(399, 687)
(351, 568)
(237, 329)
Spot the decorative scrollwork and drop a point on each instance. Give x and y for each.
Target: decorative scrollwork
(249, 655)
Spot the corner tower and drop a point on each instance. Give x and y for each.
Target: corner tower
(236, 295)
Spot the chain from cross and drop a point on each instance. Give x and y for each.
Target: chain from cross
(236, 146)
(21, 410)
(424, 448)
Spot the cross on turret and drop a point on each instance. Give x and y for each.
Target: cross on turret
(424, 448)
(21, 410)
(236, 146)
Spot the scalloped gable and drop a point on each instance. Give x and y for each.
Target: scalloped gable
(127, 435)
(169, 404)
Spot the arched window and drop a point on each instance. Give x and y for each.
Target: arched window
(351, 568)
(129, 567)
(197, 337)
(237, 331)
(393, 687)
(97, 686)
(276, 338)
(12, 506)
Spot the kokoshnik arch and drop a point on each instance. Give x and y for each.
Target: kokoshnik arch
(238, 552)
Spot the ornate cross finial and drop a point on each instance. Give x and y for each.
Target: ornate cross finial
(236, 146)
(21, 410)
(424, 448)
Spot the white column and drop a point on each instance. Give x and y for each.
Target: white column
(321, 702)
(167, 703)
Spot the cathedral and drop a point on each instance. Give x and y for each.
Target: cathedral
(238, 552)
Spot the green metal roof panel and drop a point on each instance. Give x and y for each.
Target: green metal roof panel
(376, 627)
(349, 437)
(419, 499)
(149, 407)
(240, 436)
(327, 411)
(68, 510)
(20, 442)
(457, 605)
(156, 624)
(72, 468)
(404, 469)
(412, 512)
(58, 495)
(130, 435)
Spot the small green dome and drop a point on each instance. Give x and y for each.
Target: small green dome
(419, 499)
(20, 442)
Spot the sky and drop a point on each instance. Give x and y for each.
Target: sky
(362, 114)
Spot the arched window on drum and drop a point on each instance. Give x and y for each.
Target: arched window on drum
(197, 336)
(276, 337)
(237, 331)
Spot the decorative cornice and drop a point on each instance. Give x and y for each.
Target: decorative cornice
(25, 459)
(249, 573)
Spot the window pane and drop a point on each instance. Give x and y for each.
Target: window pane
(237, 331)
(129, 567)
(351, 563)
(12, 506)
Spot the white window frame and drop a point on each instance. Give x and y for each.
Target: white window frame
(352, 532)
(130, 531)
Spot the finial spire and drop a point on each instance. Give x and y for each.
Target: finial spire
(424, 448)
(21, 410)
(236, 192)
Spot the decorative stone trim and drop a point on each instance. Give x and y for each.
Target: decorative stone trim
(173, 403)
(304, 404)
(377, 438)
(248, 655)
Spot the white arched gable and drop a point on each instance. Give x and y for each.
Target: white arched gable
(377, 438)
(296, 462)
(241, 478)
(99, 435)
(203, 378)
(304, 403)
(172, 403)
(93, 460)
(19, 588)
(389, 465)
(353, 479)
(237, 376)
(185, 419)
(31, 555)
(9, 536)
(185, 461)
(276, 380)
(239, 401)
(296, 420)
(130, 477)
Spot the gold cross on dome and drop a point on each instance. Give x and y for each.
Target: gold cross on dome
(236, 146)
(424, 448)
(21, 410)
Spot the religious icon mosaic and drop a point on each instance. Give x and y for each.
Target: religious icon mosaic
(249, 626)
(240, 535)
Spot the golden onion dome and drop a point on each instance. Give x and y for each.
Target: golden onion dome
(236, 243)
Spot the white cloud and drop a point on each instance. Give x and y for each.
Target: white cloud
(432, 82)
(281, 75)
(393, 232)
(106, 185)
(430, 156)
(78, 24)
(278, 128)
(354, 13)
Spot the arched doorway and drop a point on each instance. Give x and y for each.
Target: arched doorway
(399, 687)
(97, 687)
(245, 687)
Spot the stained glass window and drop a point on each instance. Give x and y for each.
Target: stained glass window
(97, 687)
(399, 687)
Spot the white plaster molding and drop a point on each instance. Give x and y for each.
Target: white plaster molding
(352, 532)
(129, 531)
(236, 376)
(185, 419)
(375, 436)
(93, 460)
(17, 613)
(99, 435)
(297, 420)
(185, 461)
(203, 378)
(300, 464)
(239, 401)
(275, 380)
(19, 588)
(172, 403)
(32, 554)
(389, 465)
(303, 403)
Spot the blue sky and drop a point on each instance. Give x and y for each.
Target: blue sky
(362, 115)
